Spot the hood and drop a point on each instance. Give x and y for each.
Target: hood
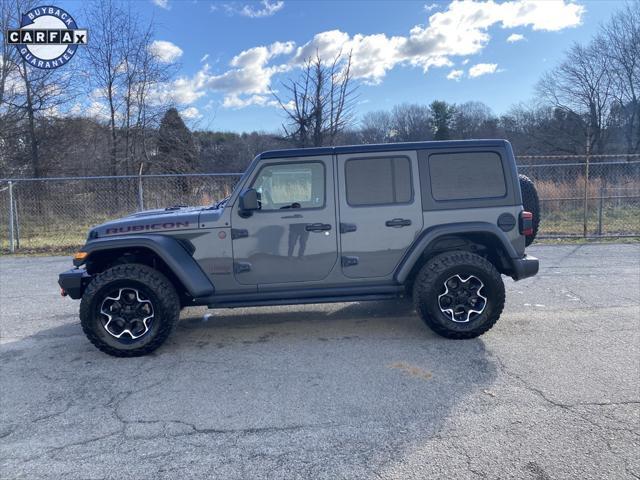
(155, 221)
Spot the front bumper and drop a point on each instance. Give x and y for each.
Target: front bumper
(524, 267)
(73, 282)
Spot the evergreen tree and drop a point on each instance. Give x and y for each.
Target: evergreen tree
(442, 116)
(176, 149)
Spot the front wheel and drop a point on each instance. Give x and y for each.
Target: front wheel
(129, 310)
(459, 295)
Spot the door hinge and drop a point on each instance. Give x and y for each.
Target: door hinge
(239, 233)
(348, 227)
(241, 267)
(349, 261)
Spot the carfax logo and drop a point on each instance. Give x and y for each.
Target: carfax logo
(48, 37)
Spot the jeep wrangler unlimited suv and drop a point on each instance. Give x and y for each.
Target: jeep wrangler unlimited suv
(435, 221)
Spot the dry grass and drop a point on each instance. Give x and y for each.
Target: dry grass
(550, 189)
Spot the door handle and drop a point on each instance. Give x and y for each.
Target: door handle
(317, 227)
(398, 222)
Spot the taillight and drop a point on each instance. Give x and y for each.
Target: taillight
(526, 223)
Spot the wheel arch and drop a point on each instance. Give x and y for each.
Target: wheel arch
(482, 238)
(169, 255)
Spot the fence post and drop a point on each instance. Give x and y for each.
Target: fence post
(16, 221)
(600, 206)
(140, 190)
(586, 191)
(12, 247)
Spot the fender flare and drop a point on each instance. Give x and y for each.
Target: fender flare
(430, 235)
(172, 252)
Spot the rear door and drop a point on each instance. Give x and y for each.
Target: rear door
(380, 211)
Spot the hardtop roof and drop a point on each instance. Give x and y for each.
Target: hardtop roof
(380, 147)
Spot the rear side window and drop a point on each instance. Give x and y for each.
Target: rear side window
(466, 175)
(378, 181)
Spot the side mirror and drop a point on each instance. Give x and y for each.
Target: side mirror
(249, 202)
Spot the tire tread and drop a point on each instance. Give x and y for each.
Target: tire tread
(531, 203)
(425, 282)
(153, 279)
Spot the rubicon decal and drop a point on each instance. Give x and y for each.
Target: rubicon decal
(147, 227)
(48, 37)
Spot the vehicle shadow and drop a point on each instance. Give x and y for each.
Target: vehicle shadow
(317, 391)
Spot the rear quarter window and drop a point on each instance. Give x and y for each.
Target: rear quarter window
(466, 176)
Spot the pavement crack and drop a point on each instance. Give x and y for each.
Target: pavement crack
(227, 431)
(571, 407)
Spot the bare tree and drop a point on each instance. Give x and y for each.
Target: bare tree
(583, 85)
(9, 86)
(319, 103)
(123, 71)
(619, 41)
(28, 94)
(105, 57)
(474, 120)
(538, 130)
(410, 123)
(376, 127)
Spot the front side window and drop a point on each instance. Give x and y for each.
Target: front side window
(291, 185)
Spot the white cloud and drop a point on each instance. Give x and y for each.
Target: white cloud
(455, 75)
(249, 76)
(235, 101)
(430, 6)
(250, 73)
(515, 37)
(162, 4)
(204, 58)
(460, 30)
(166, 52)
(190, 113)
(183, 91)
(96, 110)
(482, 69)
(266, 9)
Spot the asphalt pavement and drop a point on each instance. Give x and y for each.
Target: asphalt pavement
(359, 390)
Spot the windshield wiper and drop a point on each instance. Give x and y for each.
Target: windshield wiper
(221, 202)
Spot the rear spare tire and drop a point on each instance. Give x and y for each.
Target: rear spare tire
(531, 203)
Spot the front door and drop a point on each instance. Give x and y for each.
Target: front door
(380, 211)
(292, 238)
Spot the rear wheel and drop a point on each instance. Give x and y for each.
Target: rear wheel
(459, 295)
(531, 203)
(129, 310)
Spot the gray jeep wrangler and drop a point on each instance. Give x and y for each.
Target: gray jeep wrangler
(435, 221)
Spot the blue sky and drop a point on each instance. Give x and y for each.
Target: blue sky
(407, 51)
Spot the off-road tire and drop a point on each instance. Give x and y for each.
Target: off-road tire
(531, 203)
(429, 284)
(154, 286)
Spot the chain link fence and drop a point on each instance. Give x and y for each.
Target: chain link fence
(598, 196)
(55, 214)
